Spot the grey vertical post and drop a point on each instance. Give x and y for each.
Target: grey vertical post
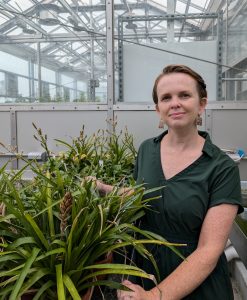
(13, 137)
(91, 85)
(170, 22)
(39, 70)
(75, 96)
(31, 79)
(58, 85)
(219, 55)
(208, 121)
(235, 90)
(226, 49)
(110, 62)
(120, 59)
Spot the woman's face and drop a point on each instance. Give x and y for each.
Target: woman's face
(178, 100)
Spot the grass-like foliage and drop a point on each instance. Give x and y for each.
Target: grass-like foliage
(57, 228)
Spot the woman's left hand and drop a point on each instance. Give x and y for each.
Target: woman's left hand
(137, 293)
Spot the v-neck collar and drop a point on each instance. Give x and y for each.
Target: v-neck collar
(207, 150)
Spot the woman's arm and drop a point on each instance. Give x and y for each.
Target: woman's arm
(197, 267)
(213, 237)
(105, 189)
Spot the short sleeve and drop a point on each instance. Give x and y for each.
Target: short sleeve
(226, 187)
(135, 172)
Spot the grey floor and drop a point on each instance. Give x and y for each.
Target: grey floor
(237, 294)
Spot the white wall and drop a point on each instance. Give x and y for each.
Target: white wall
(141, 66)
(226, 123)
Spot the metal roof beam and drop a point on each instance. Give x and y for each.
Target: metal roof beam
(58, 37)
(213, 6)
(20, 17)
(72, 12)
(186, 12)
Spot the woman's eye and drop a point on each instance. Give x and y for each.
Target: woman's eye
(165, 98)
(184, 96)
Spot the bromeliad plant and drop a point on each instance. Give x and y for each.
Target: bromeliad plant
(57, 228)
(108, 156)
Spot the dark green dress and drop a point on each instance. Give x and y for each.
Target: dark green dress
(178, 214)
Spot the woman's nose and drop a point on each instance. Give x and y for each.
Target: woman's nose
(175, 101)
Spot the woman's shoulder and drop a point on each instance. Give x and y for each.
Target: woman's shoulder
(222, 157)
(147, 142)
(153, 141)
(216, 153)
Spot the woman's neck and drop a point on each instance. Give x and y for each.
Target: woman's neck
(182, 140)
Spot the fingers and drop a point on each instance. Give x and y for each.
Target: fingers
(123, 295)
(127, 283)
(101, 187)
(86, 179)
(126, 295)
(90, 178)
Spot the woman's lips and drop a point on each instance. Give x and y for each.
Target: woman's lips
(177, 114)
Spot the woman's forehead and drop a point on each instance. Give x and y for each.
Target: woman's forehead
(173, 80)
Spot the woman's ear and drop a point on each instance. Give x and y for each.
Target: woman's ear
(203, 104)
(157, 108)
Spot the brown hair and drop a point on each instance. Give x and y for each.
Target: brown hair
(201, 85)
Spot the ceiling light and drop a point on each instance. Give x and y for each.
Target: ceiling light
(76, 27)
(79, 28)
(131, 25)
(72, 21)
(24, 27)
(48, 14)
(28, 31)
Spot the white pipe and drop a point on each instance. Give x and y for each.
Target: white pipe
(228, 243)
(231, 253)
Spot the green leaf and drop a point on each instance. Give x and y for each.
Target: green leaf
(11, 272)
(19, 173)
(109, 283)
(4, 292)
(113, 267)
(71, 287)
(42, 290)
(21, 241)
(41, 272)
(116, 271)
(37, 230)
(23, 274)
(101, 218)
(50, 253)
(7, 218)
(64, 143)
(60, 286)
(9, 257)
(47, 208)
(14, 191)
(49, 204)
(70, 239)
(59, 242)
(10, 280)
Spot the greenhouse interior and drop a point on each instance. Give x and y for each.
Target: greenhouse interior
(76, 104)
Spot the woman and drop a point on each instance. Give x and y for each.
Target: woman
(199, 202)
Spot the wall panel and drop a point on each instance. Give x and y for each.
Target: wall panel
(226, 124)
(57, 125)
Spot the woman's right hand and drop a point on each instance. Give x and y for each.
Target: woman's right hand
(89, 178)
(101, 186)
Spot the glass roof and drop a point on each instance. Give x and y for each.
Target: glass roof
(66, 28)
